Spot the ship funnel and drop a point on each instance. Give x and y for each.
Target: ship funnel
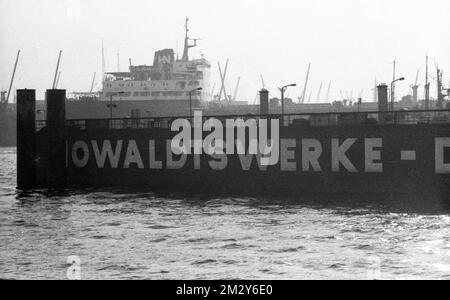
(383, 105)
(382, 97)
(264, 102)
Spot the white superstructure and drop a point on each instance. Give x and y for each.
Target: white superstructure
(167, 79)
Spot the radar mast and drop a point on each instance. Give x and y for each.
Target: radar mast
(186, 42)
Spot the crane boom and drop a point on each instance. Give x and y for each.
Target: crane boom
(212, 90)
(56, 71)
(222, 78)
(306, 84)
(417, 77)
(13, 74)
(236, 89)
(262, 81)
(328, 92)
(319, 92)
(92, 84)
(57, 79)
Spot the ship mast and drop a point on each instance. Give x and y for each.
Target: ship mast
(186, 42)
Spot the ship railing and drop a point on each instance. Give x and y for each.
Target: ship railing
(287, 120)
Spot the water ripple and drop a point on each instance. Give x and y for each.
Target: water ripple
(119, 234)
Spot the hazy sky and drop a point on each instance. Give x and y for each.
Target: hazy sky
(348, 42)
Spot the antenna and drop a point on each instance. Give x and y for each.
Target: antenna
(427, 86)
(186, 41)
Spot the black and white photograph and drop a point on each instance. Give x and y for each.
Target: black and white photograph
(224, 148)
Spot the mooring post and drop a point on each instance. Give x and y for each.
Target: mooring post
(26, 139)
(56, 138)
(264, 102)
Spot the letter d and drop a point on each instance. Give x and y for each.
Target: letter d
(440, 145)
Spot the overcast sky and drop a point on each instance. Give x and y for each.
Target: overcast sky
(348, 42)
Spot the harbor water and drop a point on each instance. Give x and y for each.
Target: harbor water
(111, 234)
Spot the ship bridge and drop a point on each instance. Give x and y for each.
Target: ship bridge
(169, 78)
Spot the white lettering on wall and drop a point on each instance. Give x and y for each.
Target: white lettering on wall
(113, 156)
(287, 154)
(338, 156)
(80, 146)
(311, 152)
(171, 163)
(440, 144)
(372, 155)
(153, 163)
(133, 156)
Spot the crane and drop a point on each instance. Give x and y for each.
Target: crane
(92, 84)
(222, 79)
(417, 77)
(57, 70)
(328, 92)
(302, 100)
(57, 79)
(13, 74)
(212, 90)
(262, 81)
(319, 92)
(236, 89)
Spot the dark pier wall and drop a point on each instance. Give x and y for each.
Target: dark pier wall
(56, 138)
(26, 138)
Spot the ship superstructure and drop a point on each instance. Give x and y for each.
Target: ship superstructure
(168, 79)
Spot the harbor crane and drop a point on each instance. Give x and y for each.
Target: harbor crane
(93, 82)
(222, 79)
(262, 81)
(327, 98)
(319, 92)
(57, 70)
(236, 89)
(213, 90)
(13, 75)
(57, 79)
(302, 99)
